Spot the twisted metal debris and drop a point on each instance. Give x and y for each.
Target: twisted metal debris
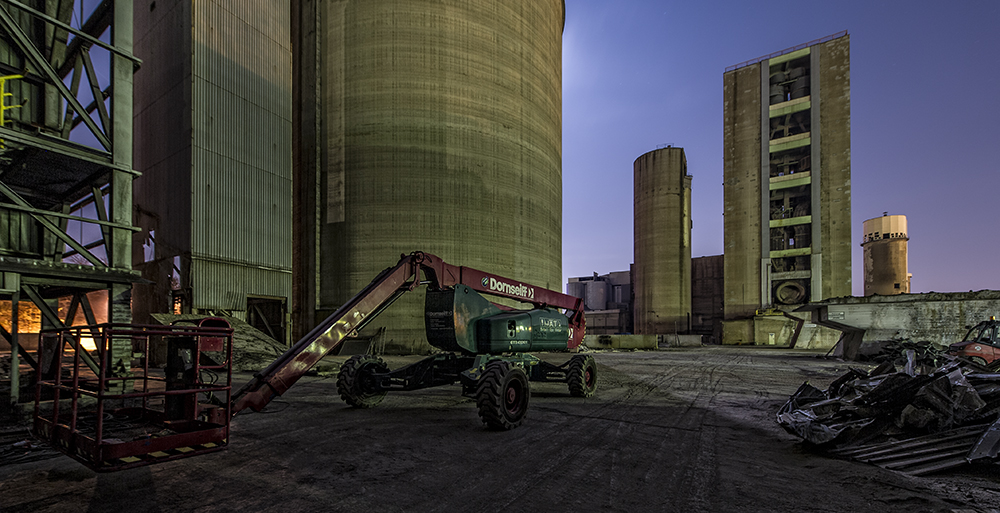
(909, 421)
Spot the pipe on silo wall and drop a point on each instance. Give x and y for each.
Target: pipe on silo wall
(662, 249)
(439, 129)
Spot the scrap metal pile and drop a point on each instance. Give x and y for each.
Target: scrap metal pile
(908, 421)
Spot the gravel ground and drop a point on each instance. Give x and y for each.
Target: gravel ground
(688, 429)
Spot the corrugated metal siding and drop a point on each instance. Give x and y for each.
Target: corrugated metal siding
(241, 155)
(225, 285)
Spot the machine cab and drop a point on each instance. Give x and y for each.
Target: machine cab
(980, 343)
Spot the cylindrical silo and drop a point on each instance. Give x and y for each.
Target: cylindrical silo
(597, 295)
(662, 242)
(577, 289)
(441, 131)
(886, 261)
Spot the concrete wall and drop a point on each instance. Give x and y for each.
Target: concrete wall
(741, 191)
(606, 322)
(707, 282)
(940, 318)
(620, 341)
(886, 267)
(780, 331)
(662, 242)
(438, 127)
(738, 332)
(835, 164)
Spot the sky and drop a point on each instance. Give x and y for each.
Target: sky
(925, 120)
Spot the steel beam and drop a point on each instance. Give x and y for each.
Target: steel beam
(7, 191)
(103, 223)
(22, 352)
(15, 350)
(65, 275)
(53, 317)
(95, 25)
(120, 191)
(61, 146)
(86, 37)
(25, 45)
(96, 92)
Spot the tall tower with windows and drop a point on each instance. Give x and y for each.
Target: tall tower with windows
(787, 181)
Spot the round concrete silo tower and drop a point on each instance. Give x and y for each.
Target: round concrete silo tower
(886, 260)
(441, 131)
(662, 242)
(598, 293)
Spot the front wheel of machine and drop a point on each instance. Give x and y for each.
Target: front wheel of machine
(502, 396)
(356, 383)
(582, 376)
(978, 359)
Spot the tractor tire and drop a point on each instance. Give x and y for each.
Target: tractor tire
(355, 382)
(502, 396)
(582, 376)
(978, 359)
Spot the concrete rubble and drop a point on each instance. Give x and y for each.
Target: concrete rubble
(914, 420)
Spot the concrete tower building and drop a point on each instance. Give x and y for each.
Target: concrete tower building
(213, 125)
(662, 241)
(429, 125)
(886, 260)
(787, 180)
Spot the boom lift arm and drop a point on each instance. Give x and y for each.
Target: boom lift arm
(388, 286)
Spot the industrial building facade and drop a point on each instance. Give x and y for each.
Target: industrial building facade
(607, 299)
(213, 143)
(787, 180)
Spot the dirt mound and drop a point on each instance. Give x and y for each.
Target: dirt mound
(252, 349)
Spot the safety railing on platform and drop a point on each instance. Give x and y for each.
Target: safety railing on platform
(157, 393)
(779, 53)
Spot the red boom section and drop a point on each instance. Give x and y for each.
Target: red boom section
(350, 318)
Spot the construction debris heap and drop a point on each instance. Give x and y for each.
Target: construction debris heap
(908, 421)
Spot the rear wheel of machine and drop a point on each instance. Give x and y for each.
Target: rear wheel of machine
(356, 382)
(502, 396)
(582, 376)
(978, 359)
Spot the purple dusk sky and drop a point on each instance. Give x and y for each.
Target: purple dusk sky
(925, 120)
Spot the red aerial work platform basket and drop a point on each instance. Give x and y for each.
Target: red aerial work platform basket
(147, 393)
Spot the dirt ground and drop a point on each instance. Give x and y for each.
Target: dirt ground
(687, 430)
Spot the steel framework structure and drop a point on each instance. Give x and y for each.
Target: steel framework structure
(65, 164)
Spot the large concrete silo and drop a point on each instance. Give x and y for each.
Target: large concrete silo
(885, 255)
(431, 125)
(662, 254)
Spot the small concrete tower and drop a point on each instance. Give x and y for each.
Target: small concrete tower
(885, 257)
